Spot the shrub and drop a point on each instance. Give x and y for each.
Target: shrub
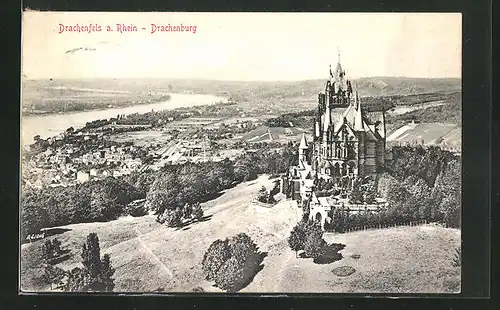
(197, 211)
(216, 255)
(263, 196)
(173, 218)
(230, 276)
(76, 281)
(232, 262)
(53, 275)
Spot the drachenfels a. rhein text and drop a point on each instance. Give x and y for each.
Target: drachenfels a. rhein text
(121, 28)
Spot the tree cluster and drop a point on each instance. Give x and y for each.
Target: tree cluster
(190, 183)
(421, 184)
(265, 196)
(232, 262)
(97, 272)
(102, 200)
(363, 192)
(51, 249)
(176, 217)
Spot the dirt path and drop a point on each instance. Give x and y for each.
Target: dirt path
(153, 258)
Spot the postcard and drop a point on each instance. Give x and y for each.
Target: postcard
(241, 153)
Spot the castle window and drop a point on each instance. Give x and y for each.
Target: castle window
(337, 150)
(350, 151)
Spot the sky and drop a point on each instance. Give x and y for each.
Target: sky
(242, 46)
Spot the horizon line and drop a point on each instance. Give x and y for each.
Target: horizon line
(235, 80)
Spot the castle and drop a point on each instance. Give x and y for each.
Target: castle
(347, 142)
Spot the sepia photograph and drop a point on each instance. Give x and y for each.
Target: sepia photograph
(168, 152)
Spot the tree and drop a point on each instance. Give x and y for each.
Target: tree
(173, 218)
(47, 251)
(197, 211)
(76, 281)
(244, 249)
(53, 275)
(262, 196)
(216, 255)
(51, 249)
(356, 195)
(313, 244)
(232, 262)
(107, 272)
(296, 239)
(230, 276)
(187, 211)
(96, 274)
(91, 259)
(165, 193)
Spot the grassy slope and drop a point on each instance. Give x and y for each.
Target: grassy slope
(396, 260)
(148, 256)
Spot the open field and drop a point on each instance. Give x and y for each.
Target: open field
(395, 260)
(149, 256)
(144, 137)
(266, 134)
(429, 133)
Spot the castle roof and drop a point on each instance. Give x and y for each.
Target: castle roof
(325, 164)
(375, 117)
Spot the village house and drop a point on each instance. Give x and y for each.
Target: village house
(82, 176)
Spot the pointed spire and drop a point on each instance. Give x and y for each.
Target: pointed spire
(327, 120)
(356, 96)
(303, 142)
(331, 73)
(358, 119)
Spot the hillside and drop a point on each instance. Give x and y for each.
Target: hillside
(148, 256)
(239, 90)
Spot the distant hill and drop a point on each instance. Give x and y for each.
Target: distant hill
(385, 86)
(369, 86)
(50, 94)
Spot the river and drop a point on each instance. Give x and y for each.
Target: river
(53, 124)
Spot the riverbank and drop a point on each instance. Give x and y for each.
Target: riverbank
(48, 125)
(86, 105)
